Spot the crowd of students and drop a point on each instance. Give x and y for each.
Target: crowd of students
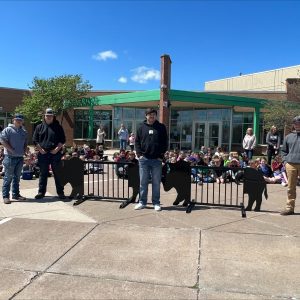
(31, 168)
(219, 161)
(206, 157)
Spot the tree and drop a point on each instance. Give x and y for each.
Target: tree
(52, 92)
(280, 113)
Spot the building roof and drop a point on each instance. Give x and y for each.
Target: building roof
(175, 96)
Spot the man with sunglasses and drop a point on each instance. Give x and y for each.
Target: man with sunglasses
(14, 140)
(49, 137)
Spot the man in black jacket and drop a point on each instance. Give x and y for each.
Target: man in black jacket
(49, 138)
(151, 144)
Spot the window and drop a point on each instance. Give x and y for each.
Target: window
(186, 135)
(240, 122)
(225, 132)
(101, 117)
(214, 115)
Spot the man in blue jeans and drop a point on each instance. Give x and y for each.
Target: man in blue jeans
(49, 137)
(151, 144)
(14, 140)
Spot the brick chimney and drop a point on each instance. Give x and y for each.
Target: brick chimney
(293, 89)
(165, 84)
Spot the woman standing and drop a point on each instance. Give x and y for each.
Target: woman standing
(273, 142)
(249, 143)
(123, 137)
(100, 136)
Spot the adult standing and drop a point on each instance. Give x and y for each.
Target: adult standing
(249, 143)
(273, 142)
(291, 157)
(14, 140)
(151, 144)
(101, 134)
(49, 138)
(123, 136)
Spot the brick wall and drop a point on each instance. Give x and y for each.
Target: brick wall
(11, 98)
(68, 125)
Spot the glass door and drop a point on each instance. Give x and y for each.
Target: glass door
(206, 134)
(214, 135)
(199, 135)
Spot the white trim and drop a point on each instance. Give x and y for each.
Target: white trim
(5, 220)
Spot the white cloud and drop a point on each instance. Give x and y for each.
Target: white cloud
(105, 55)
(143, 74)
(122, 79)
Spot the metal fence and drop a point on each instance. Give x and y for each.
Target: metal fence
(195, 185)
(217, 186)
(110, 181)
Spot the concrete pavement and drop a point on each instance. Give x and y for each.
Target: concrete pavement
(52, 250)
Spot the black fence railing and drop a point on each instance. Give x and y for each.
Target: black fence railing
(217, 186)
(110, 181)
(195, 185)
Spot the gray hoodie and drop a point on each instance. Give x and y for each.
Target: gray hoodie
(17, 138)
(290, 150)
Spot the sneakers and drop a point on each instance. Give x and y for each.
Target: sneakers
(284, 184)
(139, 206)
(287, 212)
(157, 207)
(39, 196)
(19, 197)
(6, 201)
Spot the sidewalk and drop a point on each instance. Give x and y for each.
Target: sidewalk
(52, 250)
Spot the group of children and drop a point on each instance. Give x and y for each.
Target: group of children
(219, 160)
(30, 167)
(206, 157)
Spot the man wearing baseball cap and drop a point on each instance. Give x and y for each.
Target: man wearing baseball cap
(291, 157)
(49, 137)
(14, 140)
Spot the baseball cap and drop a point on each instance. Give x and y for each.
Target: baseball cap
(19, 117)
(150, 111)
(296, 119)
(49, 112)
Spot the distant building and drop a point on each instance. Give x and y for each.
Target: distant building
(272, 81)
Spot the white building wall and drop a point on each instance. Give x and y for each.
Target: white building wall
(273, 80)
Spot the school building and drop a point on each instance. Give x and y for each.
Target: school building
(219, 116)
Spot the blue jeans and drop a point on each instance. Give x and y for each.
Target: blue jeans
(249, 153)
(44, 161)
(147, 167)
(12, 173)
(123, 144)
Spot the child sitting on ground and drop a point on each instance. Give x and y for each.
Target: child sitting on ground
(217, 173)
(266, 170)
(279, 170)
(120, 166)
(27, 170)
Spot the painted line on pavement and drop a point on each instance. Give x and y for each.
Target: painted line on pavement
(5, 220)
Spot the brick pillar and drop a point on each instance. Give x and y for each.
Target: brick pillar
(293, 89)
(165, 84)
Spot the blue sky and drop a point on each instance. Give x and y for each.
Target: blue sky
(117, 45)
